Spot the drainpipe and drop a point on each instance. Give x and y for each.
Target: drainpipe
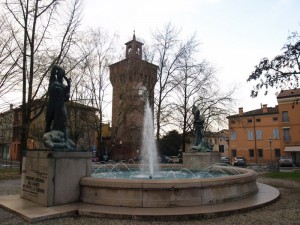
(254, 133)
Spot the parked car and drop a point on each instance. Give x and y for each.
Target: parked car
(165, 159)
(175, 159)
(239, 161)
(95, 159)
(286, 161)
(225, 160)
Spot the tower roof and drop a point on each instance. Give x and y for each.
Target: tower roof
(134, 40)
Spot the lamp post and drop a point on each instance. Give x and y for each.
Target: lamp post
(270, 141)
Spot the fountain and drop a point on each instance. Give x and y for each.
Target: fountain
(124, 185)
(149, 150)
(54, 180)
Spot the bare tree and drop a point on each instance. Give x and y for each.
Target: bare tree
(98, 45)
(47, 30)
(193, 80)
(169, 50)
(9, 57)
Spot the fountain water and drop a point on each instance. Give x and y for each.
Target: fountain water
(149, 150)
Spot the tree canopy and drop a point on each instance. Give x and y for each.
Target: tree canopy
(280, 72)
(170, 144)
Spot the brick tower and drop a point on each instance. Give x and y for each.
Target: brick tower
(133, 80)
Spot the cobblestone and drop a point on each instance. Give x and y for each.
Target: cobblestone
(284, 211)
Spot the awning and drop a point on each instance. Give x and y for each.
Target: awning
(292, 149)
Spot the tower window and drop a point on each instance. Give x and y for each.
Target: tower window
(129, 49)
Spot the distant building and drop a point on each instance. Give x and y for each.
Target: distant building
(6, 132)
(82, 128)
(133, 80)
(219, 140)
(265, 134)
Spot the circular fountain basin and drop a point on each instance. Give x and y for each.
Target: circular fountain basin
(148, 193)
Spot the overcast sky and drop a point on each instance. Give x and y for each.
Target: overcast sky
(235, 34)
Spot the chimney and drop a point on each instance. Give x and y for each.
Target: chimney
(11, 106)
(241, 111)
(265, 108)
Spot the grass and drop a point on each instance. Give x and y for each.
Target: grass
(9, 173)
(284, 175)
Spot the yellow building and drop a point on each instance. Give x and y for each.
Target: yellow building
(264, 134)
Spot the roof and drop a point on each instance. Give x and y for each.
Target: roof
(126, 59)
(256, 112)
(289, 93)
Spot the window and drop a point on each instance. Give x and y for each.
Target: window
(258, 120)
(129, 49)
(258, 134)
(233, 135)
(277, 152)
(260, 153)
(286, 134)
(250, 135)
(275, 133)
(249, 120)
(285, 116)
(233, 152)
(221, 148)
(251, 153)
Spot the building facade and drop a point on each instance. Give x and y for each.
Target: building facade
(220, 141)
(6, 133)
(133, 81)
(263, 135)
(289, 121)
(82, 128)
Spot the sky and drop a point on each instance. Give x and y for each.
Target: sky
(234, 34)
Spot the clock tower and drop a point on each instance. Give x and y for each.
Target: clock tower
(133, 80)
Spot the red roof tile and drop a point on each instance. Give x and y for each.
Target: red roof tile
(289, 93)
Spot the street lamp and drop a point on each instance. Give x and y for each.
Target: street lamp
(270, 141)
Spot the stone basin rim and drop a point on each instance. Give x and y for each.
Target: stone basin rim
(244, 176)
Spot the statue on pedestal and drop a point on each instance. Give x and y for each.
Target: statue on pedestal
(56, 114)
(200, 143)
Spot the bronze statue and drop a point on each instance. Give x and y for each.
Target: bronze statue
(200, 143)
(198, 126)
(59, 93)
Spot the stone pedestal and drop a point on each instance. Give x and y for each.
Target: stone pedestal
(52, 178)
(200, 160)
